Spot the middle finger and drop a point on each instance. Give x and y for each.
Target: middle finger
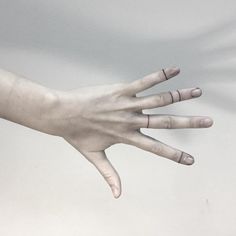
(174, 121)
(165, 98)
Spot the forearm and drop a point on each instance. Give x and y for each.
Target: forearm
(25, 102)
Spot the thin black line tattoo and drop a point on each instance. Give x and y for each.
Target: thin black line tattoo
(164, 74)
(148, 120)
(172, 98)
(179, 161)
(179, 95)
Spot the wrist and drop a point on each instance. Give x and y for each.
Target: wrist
(57, 110)
(49, 111)
(63, 113)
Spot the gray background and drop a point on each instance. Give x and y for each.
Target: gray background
(48, 188)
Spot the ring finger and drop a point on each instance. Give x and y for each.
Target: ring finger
(152, 145)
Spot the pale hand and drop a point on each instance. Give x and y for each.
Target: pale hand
(92, 119)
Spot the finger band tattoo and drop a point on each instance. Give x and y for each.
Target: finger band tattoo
(164, 74)
(148, 120)
(172, 98)
(179, 161)
(179, 95)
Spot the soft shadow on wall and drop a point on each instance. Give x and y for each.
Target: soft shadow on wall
(37, 26)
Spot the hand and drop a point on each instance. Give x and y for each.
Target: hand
(92, 119)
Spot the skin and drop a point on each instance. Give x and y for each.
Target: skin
(92, 119)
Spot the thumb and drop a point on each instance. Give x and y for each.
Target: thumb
(104, 166)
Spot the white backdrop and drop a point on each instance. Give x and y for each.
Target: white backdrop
(48, 188)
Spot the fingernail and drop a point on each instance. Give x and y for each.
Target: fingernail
(208, 122)
(188, 160)
(196, 92)
(115, 192)
(175, 68)
(174, 71)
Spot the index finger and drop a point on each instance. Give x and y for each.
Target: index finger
(152, 79)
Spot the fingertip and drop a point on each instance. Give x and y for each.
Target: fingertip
(172, 71)
(208, 122)
(197, 92)
(177, 69)
(116, 196)
(116, 192)
(190, 161)
(187, 159)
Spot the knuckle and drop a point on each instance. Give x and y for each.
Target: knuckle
(176, 156)
(120, 88)
(136, 104)
(121, 138)
(108, 176)
(161, 100)
(126, 138)
(124, 104)
(143, 81)
(156, 148)
(168, 122)
(137, 121)
(156, 100)
(132, 119)
(193, 123)
(158, 75)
